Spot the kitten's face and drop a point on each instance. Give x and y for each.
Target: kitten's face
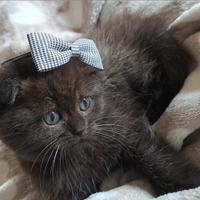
(54, 111)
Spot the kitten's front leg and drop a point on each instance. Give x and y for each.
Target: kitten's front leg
(164, 168)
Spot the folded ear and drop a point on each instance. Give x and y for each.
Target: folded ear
(9, 84)
(11, 73)
(8, 91)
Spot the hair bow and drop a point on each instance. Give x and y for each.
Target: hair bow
(50, 52)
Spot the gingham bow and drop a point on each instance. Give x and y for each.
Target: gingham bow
(49, 52)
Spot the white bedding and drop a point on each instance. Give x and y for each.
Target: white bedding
(67, 20)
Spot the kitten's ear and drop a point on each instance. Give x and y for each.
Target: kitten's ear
(9, 84)
(11, 73)
(8, 91)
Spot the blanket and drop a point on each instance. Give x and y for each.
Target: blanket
(68, 20)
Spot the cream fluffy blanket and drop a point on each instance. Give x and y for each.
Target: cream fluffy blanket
(67, 20)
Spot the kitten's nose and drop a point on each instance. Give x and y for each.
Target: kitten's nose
(76, 126)
(76, 130)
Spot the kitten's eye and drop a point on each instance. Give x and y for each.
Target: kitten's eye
(51, 118)
(85, 104)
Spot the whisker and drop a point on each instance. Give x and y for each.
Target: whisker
(53, 163)
(50, 148)
(40, 154)
(116, 140)
(65, 165)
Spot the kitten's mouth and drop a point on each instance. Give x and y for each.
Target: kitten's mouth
(65, 140)
(74, 135)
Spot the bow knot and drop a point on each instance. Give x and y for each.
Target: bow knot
(50, 52)
(75, 50)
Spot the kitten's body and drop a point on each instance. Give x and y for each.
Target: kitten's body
(144, 69)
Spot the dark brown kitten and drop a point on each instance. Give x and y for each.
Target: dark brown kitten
(72, 126)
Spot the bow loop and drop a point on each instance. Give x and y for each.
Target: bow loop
(50, 52)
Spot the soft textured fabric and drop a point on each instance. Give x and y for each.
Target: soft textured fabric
(67, 20)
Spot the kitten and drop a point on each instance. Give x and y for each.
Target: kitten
(71, 127)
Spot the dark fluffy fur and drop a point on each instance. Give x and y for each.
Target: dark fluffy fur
(144, 68)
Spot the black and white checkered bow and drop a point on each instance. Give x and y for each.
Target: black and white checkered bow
(50, 52)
